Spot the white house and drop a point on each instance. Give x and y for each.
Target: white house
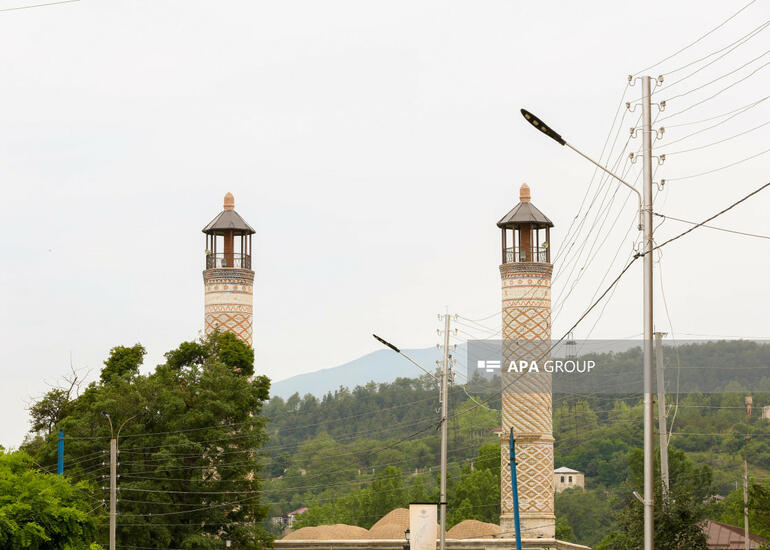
(567, 478)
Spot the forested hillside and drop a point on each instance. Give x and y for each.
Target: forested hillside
(356, 454)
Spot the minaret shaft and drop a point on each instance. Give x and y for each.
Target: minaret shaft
(526, 398)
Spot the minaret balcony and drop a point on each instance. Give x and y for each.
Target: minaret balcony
(527, 254)
(226, 260)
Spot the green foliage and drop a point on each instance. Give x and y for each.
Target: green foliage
(677, 518)
(123, 361)
(677, 526)
(759, 508)
(50, 409)
(587, 513)
(189, 461)
(43, 511)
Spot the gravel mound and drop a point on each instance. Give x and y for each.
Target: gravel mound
(473, 529)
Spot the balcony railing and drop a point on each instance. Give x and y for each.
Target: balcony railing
(222, 260)
(531, 254)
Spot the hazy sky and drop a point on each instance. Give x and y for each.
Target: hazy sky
(373, 146)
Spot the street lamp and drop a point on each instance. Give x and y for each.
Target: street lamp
(645, 224)
(547, 130)
(444, 414)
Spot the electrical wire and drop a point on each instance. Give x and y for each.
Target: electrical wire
(40, 5)
(702, 101)
(691, 44)
(718, 142)
(719, 169)
(665, 216)
(750, 34)
(688, 92)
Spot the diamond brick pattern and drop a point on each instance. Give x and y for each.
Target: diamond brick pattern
(526, 397)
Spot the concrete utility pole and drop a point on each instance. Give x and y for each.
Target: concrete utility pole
(444, 398)
(663, 435)
(649, 441)
(645, 211)
(444, 428)
(746, 534)
(113, 490)
(114, 473)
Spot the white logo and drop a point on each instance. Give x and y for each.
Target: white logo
(489, 366)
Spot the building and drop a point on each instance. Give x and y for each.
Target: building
(567, 478)
(720, 536)
(766, 412)
(526, 320)
(228, 279)
(286, 521)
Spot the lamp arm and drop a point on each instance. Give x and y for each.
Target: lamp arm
(621, 180)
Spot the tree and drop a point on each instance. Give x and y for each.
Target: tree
(759, 508)
(40, 510)
(476, 495)
(123, 361)
(587, 513)
(189, 464)
(677, 519)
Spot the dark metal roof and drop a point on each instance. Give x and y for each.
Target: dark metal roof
(228, 220)
(524, 213)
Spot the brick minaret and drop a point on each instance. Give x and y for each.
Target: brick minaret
(526, 290)
(228, 277)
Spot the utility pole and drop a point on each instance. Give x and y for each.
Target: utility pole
(113, 489)
(746, 540)
(649, 441)
(662, 414)
(114, 473)
(444, 398)
(444, 428)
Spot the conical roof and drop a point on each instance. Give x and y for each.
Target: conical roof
(228, 220)
(524, 213)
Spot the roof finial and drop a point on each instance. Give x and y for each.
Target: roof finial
(229, 201)
(524, 195)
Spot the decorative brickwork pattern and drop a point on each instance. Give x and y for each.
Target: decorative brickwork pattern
(229, 301)
(526, 397)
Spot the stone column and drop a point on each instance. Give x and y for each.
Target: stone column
(526, 398)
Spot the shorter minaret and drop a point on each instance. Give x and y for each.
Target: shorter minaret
(228, 278)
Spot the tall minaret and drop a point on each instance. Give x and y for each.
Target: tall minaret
(526, 288)
(228, 277)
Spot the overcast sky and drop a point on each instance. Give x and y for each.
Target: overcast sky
(373, 146)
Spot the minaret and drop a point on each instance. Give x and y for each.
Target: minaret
(228, 277)
(526, 397)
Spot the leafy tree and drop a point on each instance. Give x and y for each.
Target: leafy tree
(476, 495)
(677, 519)
(123, 361)
(759, 509)
(189, 462)
(43, 511)
(587, 512)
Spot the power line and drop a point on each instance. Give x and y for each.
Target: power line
(720, 168)
(755, 71)
(720, 141)
(693, 228)
(750, 34)
(717, 78)
(40, 5)
(738, 111)
(691, 44)
(712, 226)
